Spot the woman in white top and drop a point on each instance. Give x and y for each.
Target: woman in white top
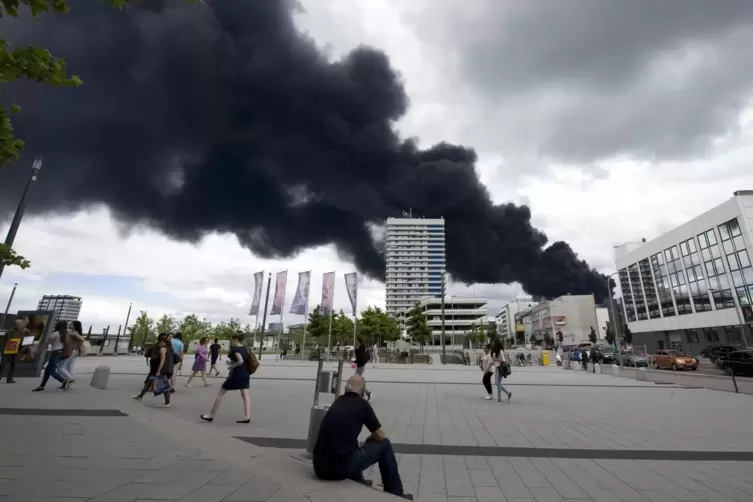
(55, 343)
(488, 368)
(501, 368)
(71, 346)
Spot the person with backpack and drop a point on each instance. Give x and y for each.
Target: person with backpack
(499, 362)
(241, 365)
(362, 357)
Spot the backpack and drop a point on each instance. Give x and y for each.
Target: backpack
(252, 363)
(504, 369)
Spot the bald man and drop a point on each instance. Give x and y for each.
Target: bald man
(337, 454)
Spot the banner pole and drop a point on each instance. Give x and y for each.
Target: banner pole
(305, 326)
(282, 311)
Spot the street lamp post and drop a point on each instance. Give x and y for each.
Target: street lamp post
(614, 315)
(7, 307)
(13, 230)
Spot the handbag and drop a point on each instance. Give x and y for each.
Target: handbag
(85, 348)
(160, 385)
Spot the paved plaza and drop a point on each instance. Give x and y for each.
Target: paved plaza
(565, 435)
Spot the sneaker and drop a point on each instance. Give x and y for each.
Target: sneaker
(69, 383)
(509, 395)
(188, 385)
(10, 380)
(163, 405)
(38, 389)
(488, 398)
(137, 397)
(406, 496)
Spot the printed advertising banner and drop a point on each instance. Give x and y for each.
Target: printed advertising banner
(301, 300)
(351, 285)
(258, 282)
(328, 293)
(282, 279)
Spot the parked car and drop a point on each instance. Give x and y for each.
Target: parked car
(739, 362)
(674, 360)
(722, 350)
(631, 358)
(706, 352)
(606, 355)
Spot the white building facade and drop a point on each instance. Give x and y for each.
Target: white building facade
(505, 319)
(461, 315)
(65, 307)
(692, 286)
(415, 256)
(571, 315)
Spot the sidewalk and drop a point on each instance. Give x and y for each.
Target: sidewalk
(143, 454)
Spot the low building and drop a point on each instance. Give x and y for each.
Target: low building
(692, 286)
(506, 317)
(571, 315)
(461, 316)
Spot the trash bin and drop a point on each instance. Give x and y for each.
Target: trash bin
(315, 421)
(546, 357)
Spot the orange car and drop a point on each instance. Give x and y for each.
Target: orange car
(672, 359)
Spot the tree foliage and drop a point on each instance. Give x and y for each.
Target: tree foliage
(318, 325)
(628, 335)
(193, 328)
(418, 330)
(376, 327)
(9, 258)
(166, 324)
(609, 336)
(592, 336)
(142, 329)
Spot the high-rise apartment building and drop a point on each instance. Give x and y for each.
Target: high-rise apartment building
(65, 307)
(415, 261)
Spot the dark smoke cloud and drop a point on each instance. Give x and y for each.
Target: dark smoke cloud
(224, 117)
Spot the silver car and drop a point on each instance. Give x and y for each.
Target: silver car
(630, 358)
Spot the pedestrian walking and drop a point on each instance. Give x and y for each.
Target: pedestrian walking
(176, 340)
(375, 355)
(214, 351)
(487, 369)
(71, 346)
(55, 342)
(594, 358)
(238, 378)
(200, 362)
(502, 367)
(362, 357)
(161, 368)
(13, 340)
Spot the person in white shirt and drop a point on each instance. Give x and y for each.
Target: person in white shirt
(375, 355)
(488, 369)
(55, 343)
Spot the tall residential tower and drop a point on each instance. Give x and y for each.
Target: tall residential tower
(415, 261)
(65, 307)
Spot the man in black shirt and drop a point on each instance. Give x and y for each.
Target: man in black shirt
(337, 455)
(214, 350)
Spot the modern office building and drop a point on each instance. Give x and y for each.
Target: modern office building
(572, 315)
(66, 308)
(461, 315)
(693, 285)
(506, 317)
(415, 257)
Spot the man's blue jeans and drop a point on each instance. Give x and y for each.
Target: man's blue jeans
(381, 452)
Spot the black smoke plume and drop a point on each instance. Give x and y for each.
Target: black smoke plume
(222, 116)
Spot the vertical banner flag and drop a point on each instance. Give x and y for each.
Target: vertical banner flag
(351, 285)
(301, 300)
(328, 293)
(282, 279)
(258, 283)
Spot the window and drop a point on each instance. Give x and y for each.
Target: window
(737, 260)
(692, 336)
(663, 288)
(627, 295)
(697, 285)
(677, 280)
(713, 264)
(649, 289)
(640, 302)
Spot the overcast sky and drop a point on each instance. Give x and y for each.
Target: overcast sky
(612, 120)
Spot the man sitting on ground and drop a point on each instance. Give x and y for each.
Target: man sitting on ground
(337, 455)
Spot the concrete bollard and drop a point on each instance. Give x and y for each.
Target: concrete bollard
(315, 421)
(641, 375)
(566, 364)
(100, 377)
(615, 370)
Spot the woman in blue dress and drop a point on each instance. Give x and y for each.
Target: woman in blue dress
(238, 379)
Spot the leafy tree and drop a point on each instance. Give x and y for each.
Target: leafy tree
(166, 324)
(142, 329)
(418, 330)
(318, 325)
(342, 329)
(390, 329)
(224, 330)
(192, 328)
(592, 336)
(628, 335)
(9, 258)
(491, 331)
(371, 325)
(609, 336)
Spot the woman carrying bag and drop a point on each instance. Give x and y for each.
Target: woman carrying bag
(502, 367)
